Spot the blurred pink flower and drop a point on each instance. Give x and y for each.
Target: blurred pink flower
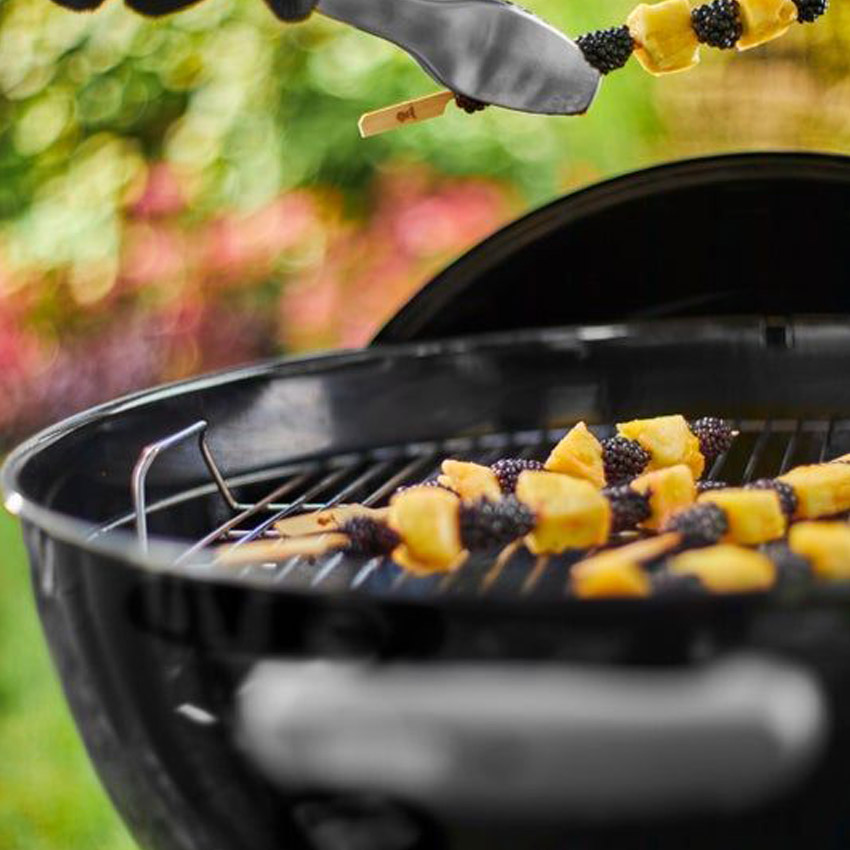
(454, 217)
(370, 271)
(240, 248)
(154, 254)
(162, 194)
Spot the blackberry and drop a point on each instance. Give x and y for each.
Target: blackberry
(485, 524)
(787, 496)
(607, 50)
(623, 459)
(705, 486)
(792, 570)
(628, 507)
(810, 10)
(367, 536)
(700, 525)
(469, 104)
(715, 436)
(508, 469)
(718, 24)
(678, 584)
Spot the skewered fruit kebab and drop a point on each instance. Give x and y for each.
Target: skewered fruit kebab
(665, 37)
(813, 550)
(431, 529)
(641, 445)
(725, 520)
(760, 511)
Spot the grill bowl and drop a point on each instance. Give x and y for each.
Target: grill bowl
(151, 651)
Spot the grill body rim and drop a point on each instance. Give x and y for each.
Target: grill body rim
(162, 553)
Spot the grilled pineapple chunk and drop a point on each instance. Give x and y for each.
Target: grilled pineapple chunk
(726, 568)
(668, 439)
(427, 520)
(826, 545)
(764, 20)
(579, 454)
(755, 516)
(664, 36)
(609, 574)
(571, 513)
(822, 489)
(670, 490)
(470, 481)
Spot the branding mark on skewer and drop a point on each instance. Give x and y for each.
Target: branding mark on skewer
(406, 114)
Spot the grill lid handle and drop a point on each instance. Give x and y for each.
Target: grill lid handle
(536, 740)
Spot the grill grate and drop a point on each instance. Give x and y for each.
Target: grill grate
(763, 448)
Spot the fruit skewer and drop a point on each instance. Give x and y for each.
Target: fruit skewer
(665, 37)
(760, 512)
(431, 529)
(813, 550)
(641, 445)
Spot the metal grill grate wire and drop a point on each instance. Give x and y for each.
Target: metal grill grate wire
(763, 448)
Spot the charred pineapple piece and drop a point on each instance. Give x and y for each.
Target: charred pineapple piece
(609, 574)
(427, 519)
(753, 516)
(764, 20)
(822, 489)
(664, 37)
(579, 454)
(571, 513)
(470, 481)
(726, 568)
(620, 572)
(668, 439)
(408, 561)
(826, 545)
(670, 490)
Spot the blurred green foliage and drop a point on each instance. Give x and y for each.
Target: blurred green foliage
(50, 798)
(250, 108)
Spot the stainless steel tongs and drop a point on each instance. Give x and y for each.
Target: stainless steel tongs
(488, 50)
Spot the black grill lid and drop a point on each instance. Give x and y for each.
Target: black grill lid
(762, 234)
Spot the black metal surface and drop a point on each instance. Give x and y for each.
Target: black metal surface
(753, 233)
(150, 653)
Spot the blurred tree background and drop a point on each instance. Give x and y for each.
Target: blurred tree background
(184, 194)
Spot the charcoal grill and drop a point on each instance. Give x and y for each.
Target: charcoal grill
(341, 703)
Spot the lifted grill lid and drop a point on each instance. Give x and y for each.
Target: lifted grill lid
(759, 234)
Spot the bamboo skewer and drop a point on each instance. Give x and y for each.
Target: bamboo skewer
(405, 113)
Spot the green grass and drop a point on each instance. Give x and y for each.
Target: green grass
(50, 797)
